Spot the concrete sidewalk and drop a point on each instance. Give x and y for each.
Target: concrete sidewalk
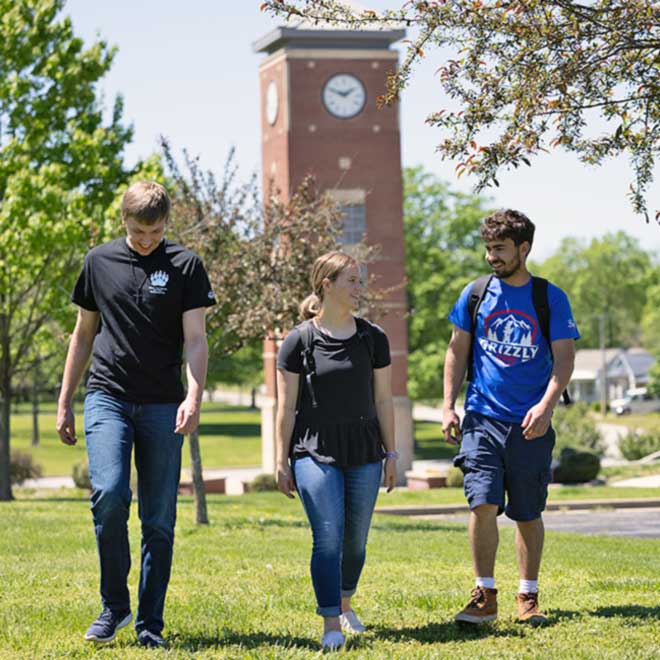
(564, 505)
(234, 476)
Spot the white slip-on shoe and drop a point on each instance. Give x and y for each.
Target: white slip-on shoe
(332, 640)
(350, 622)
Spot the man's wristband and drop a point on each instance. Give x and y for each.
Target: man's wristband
(392, 455)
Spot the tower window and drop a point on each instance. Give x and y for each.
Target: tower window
(355, 224)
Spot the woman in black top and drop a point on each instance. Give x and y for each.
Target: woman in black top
(335, 425)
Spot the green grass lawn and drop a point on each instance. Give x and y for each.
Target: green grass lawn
(240, 589)
(229, 437)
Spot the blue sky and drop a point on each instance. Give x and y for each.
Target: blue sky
(187, 71)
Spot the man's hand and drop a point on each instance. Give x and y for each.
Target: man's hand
(389, 480)
(187, 417)
(451, 426)
(66, 425)
(537, 421)
(285, 481)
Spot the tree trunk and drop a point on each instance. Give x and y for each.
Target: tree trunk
(253, 400)
(201, 516)
(35, 407)
(5, 410)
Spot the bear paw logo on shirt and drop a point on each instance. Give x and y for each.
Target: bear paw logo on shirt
(510, 337)
(158, 280)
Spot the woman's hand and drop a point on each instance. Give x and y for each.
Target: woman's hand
(285, 481)
(389, 479)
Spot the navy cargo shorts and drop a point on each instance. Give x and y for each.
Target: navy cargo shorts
(496, 460)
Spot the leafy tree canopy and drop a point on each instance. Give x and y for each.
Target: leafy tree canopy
(525, 76)
(60, 164)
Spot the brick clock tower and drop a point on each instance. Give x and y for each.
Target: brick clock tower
(319, 116)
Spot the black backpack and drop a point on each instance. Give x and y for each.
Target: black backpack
(307, 353)
(541, 307)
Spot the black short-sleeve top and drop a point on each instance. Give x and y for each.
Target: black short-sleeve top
(138, 349)
(343, 429)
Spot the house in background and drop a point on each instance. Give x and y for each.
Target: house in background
(626, 369)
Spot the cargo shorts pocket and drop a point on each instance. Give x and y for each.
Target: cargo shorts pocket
(464, 462)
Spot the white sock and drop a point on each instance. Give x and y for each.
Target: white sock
(487, 583)
(528, 587)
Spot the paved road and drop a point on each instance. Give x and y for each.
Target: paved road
(640, 523)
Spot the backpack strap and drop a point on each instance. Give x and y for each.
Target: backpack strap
(541, 306)
(477, 293)
(542, 309)
(365, 335)
(309, 366)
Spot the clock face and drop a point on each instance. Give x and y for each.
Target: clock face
(272, 103)
(344, 96)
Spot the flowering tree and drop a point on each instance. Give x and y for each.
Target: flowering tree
(258, 254)
(526, 76)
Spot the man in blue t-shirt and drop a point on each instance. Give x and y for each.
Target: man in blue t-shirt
(506, 436)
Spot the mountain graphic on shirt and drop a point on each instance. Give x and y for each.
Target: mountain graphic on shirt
(511, 330)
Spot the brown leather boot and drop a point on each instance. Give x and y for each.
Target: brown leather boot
(481, 608)
(528, 609)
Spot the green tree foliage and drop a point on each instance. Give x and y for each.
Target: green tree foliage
(651, 317)
(60, 163)
(443, 253)
(609, 275)
(522, 76)
(244, 367)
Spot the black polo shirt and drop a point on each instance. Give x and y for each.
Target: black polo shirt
(138, 350)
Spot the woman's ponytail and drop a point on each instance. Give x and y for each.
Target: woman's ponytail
(309, 307)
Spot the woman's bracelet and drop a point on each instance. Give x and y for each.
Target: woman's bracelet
(392, 455)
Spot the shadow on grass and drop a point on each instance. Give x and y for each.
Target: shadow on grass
(245, 640)
(446, 631)
(630, 611)
(235, 430)
(557, 616)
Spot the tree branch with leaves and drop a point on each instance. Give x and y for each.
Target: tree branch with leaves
(522, 77)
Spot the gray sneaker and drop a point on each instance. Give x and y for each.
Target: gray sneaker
(151, 639)
(105, 628)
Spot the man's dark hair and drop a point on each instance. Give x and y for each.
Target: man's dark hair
(507, 223)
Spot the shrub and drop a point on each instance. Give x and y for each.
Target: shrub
(637, 445)
(576, 467)
(454, 478)
(81, 475)
(576, 429)
(22, 467)
(263, 483)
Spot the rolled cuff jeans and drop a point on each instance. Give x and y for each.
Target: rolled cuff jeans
(339, 503)
(112, 428)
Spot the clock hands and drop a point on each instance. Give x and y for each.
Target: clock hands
(339, 91)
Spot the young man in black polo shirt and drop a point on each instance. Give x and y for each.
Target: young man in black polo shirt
(141, 299)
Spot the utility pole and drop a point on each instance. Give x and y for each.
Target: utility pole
(603, 368)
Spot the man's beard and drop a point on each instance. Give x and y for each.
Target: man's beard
(508, 270)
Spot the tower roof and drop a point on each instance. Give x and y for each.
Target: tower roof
(303, 33)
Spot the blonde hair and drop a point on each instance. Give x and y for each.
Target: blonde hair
(327, 266)
(147, 202)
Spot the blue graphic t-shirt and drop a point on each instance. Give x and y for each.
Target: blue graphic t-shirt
(512, 359)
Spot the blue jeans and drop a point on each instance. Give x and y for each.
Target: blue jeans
(339, 503)
(112, 428)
